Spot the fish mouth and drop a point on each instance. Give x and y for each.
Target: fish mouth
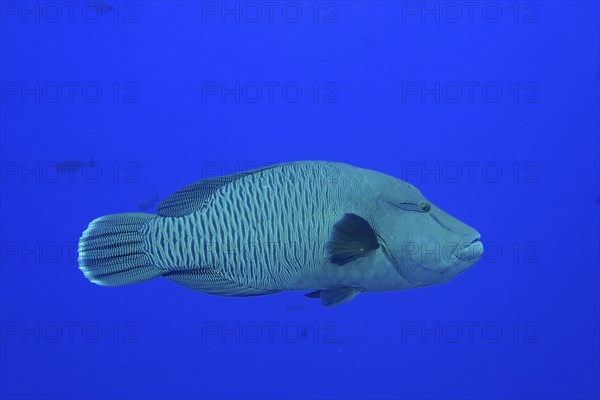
(467, 252)
(471, 251)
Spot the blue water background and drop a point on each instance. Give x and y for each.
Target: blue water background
(364, 69)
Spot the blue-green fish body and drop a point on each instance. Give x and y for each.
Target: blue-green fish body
(328, 228)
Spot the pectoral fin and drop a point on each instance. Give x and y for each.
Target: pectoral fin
(335, 296)
(352, 237)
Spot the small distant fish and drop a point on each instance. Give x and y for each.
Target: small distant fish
(71, 165)
(294, 307)
(334, 341)
(370, 42)
(148, 203)
(102, 6)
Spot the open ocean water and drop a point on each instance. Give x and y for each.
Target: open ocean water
(490, 108)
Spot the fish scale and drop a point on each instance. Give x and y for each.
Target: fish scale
(272, 256)
(259, 202)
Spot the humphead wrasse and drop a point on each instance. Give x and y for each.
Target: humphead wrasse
(328, 228)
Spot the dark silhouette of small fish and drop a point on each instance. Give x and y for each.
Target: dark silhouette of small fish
(148, 203)
(71, 165)
(370, 42)
(295, 307)
(102, 6)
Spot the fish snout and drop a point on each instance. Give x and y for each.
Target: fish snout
(470, 249)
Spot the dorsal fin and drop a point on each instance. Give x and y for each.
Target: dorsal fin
(192, 198)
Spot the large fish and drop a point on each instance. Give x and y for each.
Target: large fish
(329, 228)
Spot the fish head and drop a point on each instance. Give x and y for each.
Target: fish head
(426, 245)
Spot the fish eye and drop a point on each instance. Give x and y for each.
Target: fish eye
(424, 205)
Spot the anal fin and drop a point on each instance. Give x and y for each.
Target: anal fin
(211, 282)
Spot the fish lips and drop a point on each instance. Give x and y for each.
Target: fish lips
(470, 249)
(466, 253)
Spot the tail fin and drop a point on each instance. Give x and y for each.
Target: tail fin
(111, 250)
